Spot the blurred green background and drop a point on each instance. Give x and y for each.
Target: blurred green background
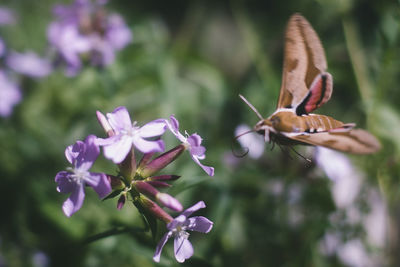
(192, 59)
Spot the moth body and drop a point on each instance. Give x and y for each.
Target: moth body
(306, 86)
(288, 121)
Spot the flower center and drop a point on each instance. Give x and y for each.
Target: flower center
(132, 131)
(180, 232)
(77, 176)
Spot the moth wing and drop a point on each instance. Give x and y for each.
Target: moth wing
(320, 92)
(355, 141)
(304, 59)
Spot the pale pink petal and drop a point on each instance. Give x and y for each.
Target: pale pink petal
(199, 224)
(195, 207)
(160, 246)
(100, 184)
(207, 169)
(183, 248)
(64, 183)
(173, 126)
(88, 153)
(75, 200)
(72, 151)
(118, 151)
(153, 128)
(119, 119)
(148, 146)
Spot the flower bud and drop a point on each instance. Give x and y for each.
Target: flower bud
(146, 189)
(158, 184)
(121, 201)
(154, 209)
(116, 183)
(104, 123)
(169, 201)
(161, 161)
(128, 166)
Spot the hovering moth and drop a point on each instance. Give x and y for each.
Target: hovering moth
(306, 86)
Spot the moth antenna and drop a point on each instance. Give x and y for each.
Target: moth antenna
(245, 149)
(300, 155)
(251, 106)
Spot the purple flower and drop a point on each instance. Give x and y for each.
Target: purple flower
(178, 229)
(29, 64)
(127, 134)
(81, 155)
(69, 43)
(6, 16)
(10, 95)
(192, 143)
(85, 28)
(2, 47)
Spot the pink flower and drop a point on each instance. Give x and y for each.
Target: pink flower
(126, 134)
(192, 143)
(178, 228)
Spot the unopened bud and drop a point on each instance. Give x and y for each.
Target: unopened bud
(121, 201)
(169, 201)
(105, 124)
(116, 182)
(154, 209)
(161, 161)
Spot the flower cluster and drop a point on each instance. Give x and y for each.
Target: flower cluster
(139, 181)
(81, 31)
(86, 30)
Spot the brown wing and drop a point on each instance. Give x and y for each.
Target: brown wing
(304, 60)
(354, 141)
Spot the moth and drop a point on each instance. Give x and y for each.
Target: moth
(306, 86)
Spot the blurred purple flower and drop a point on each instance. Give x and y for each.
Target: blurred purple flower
(85, 28)
(127, 134)
(178, 228)
(81, 155)
(10, 95)
(254, 142)
(6, 16)
(346, 179)
(29, 64)
(192, 143)
(2, 47)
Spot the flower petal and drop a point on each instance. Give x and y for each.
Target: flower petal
(118, 151)
(160, 246)
(100, 184)
(148, 146)
(72, 151)
(89, 153)
(173, 126)
(199, 224)
(194, 140)
(64, 183)
(75, 200)
(119, 119)
(195, 207)
(153, 128)
(183, 248)
(207, 169)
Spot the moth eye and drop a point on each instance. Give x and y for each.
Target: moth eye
(275, 121)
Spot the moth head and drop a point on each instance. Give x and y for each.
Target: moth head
(263, 128)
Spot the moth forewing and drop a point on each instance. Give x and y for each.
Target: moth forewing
(304, 59)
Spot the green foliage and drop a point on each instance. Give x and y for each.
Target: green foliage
(192, 60)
